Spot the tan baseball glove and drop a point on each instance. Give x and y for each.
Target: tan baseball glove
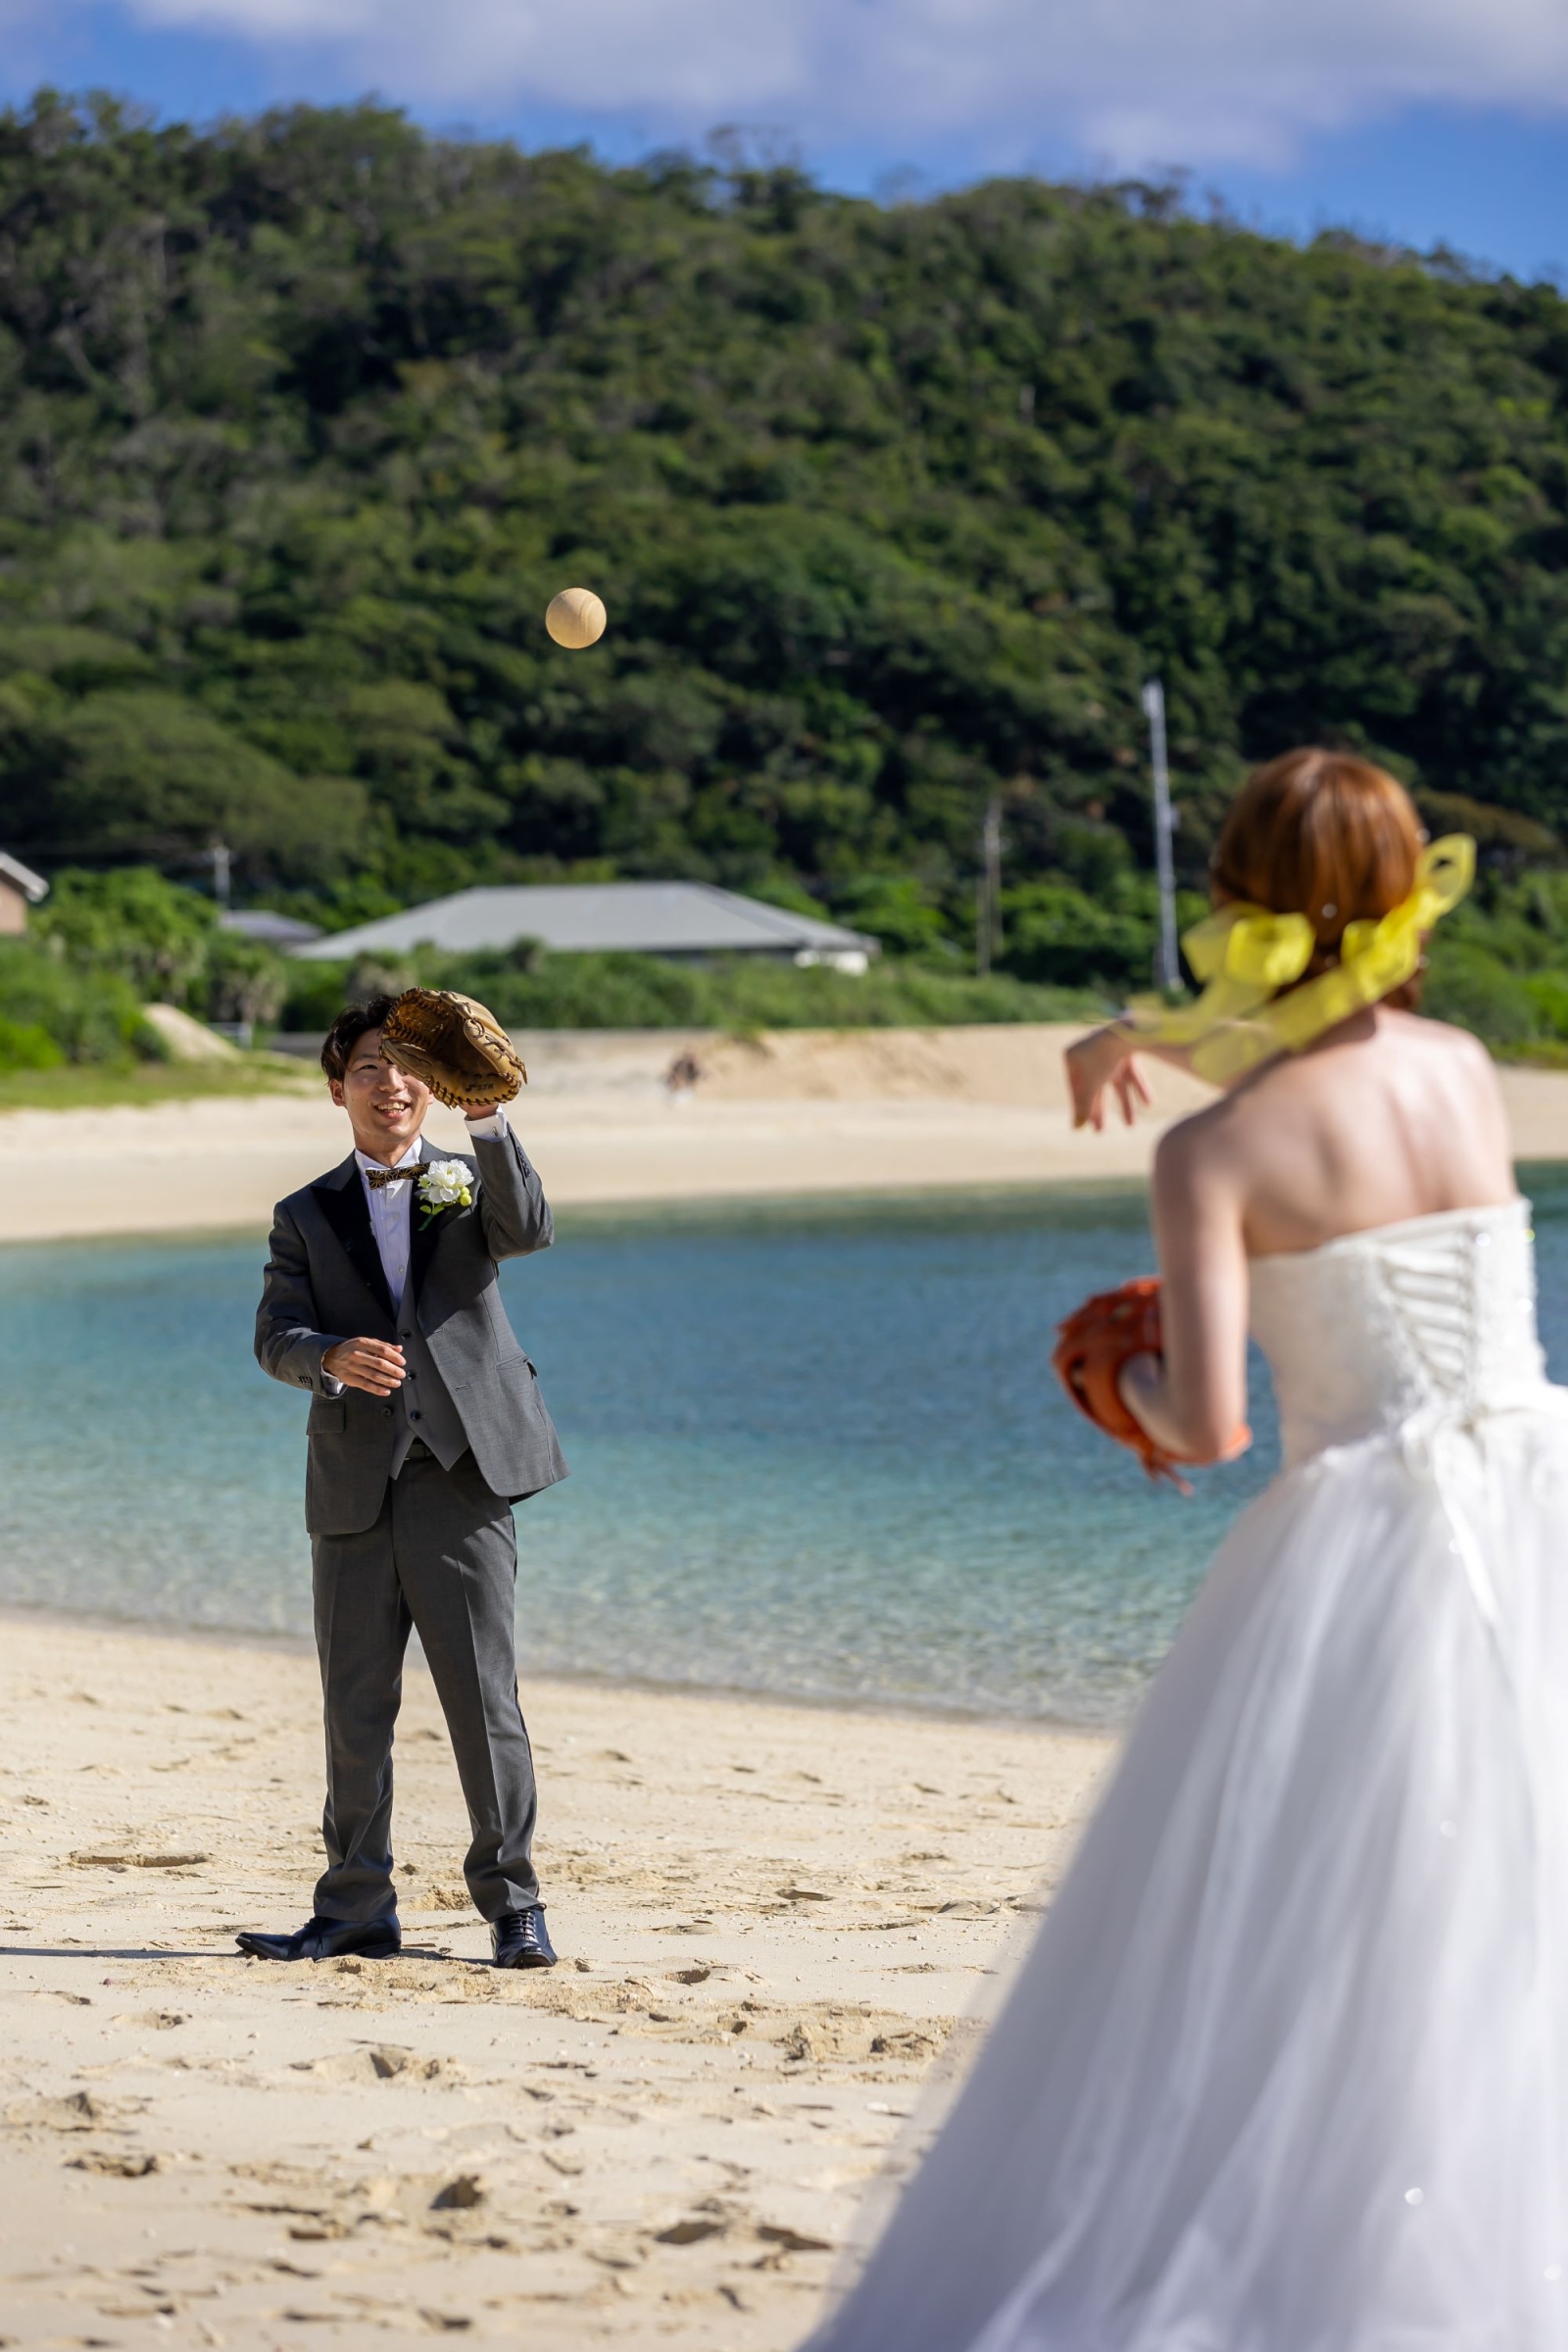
(1094, 1343)
(454, 1046)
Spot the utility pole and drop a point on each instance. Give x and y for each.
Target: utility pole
(1167, 968)
(987, 890)
(222, 859)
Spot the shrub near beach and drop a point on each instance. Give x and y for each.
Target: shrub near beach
(104, 946)
(53, 1010)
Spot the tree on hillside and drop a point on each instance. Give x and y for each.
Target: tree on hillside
(303, 418)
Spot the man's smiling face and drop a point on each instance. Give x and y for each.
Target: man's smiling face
(386, 1107)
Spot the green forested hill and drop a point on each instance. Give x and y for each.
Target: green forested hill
(302, 422)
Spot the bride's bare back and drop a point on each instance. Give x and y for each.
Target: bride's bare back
(1386, 1118)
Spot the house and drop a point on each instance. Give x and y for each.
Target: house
(20, 889)
(688, 920)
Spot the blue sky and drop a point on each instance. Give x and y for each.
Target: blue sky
(1424, 121)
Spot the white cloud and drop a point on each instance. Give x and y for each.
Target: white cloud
(1134, 82)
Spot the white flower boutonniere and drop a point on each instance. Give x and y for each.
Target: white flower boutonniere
(445, 1184)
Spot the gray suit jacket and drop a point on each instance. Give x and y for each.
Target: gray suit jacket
(324, 1283)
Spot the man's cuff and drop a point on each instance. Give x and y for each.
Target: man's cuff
(489, 1130)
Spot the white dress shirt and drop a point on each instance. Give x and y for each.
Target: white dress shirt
(391, 1206)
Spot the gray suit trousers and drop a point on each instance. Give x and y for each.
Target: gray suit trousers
(442, 1557)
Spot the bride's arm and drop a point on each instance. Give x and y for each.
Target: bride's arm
(1193, 1398)
(1105, 1061)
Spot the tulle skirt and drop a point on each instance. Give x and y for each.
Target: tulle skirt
(1287, 2069)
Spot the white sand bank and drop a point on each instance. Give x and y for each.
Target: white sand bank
(768, 1917)
(802, 1112)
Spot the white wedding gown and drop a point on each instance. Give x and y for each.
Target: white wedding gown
(1287, 2069)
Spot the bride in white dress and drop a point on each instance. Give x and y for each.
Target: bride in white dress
(1287, 2069)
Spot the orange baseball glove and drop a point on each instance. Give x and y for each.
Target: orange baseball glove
(1092, 1346)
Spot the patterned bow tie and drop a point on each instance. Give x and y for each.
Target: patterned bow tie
(380, 1176)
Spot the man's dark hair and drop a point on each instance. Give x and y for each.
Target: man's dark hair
(348, 1029)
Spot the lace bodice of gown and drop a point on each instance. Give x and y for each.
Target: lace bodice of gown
(1372, 1332)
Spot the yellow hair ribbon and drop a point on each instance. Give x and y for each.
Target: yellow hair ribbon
(1245, 956)
(1376, 957)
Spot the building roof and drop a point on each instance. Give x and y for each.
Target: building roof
(649, 918)
(276, 930)
(32, 886)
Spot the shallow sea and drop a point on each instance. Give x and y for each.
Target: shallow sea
(817, 1450)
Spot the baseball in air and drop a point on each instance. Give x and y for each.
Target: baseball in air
(576, 619)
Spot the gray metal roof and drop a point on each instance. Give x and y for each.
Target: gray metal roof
(273, 929)
(32, 886)
(651, 919)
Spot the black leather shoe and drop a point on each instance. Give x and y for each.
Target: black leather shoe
(329, 1939)
(518, 1939)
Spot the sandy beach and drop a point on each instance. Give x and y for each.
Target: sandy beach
(771, 1918)
(774, 1920)
(796, 1112)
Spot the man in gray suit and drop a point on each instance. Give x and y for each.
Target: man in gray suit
(425, 1426)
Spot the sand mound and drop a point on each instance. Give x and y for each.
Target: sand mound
(186, 1039)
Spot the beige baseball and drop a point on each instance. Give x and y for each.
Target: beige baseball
(576, 619)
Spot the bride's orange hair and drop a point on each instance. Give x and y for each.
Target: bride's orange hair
(1322, 834)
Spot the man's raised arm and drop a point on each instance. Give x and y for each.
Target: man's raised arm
(513, 1209)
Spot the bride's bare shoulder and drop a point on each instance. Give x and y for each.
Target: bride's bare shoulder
(1456, 1053)
(1377, 1051)
(1419, 1029)
(1344, 1080)
(1204, 1141)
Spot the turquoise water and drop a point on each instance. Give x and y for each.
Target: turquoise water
(816, 1450)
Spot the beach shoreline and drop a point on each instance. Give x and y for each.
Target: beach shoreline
(911, 1712)
(799, 1114)
(772, 1918)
